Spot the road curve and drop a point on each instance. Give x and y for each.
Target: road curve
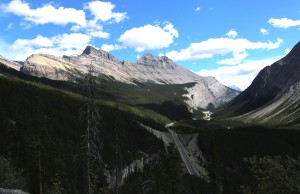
(188, 164)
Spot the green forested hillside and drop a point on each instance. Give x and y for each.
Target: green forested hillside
(42, 124)
(163, 99)
(34, 119)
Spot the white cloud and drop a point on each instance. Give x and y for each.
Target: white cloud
(232, 33)
(10, 26)
(220, 46)
(39, 41)
(94, 30)
(264, 31)
(25, 25)
(198, 9)
(103, 11)
(75, 28)
(45, 14)
(287, 51)
(170, 29)
(64, 44)
(284, 22)
(240, 75)
(111, 47)
(236, 59)
(99, 34)
(103, 14)
(72, 41)
(149, 37)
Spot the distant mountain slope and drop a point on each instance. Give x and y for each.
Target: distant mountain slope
(9, 63)
(274, 94)
(207, 92)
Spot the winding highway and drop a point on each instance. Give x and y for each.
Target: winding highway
(188, 164)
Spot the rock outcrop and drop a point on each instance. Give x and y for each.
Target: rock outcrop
(48, 66)
(157, 62)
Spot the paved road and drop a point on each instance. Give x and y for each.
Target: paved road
(188, 164)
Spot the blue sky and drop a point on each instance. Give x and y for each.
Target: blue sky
(229, 39)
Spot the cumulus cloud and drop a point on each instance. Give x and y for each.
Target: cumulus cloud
(220, 46)
(264, 31)
(283, 22)
(94, 30)
(39, 41)
(103, 14)
(63, 44)
(103, 11)
(111, 47)
(287, 51)
(99, 34)
(232, 33)
(149, 37)
(240, 75)
(236, 59)
(45, 14)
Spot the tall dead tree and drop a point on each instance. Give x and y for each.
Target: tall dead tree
(91, 140)
(117, 149)
(40, 166)
(117, 162)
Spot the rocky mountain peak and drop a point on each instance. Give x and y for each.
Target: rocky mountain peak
(158, 62)
(90, 50)
(293, 56)
(93, 52)
(296, 49)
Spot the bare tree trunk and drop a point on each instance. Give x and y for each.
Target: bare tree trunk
(88, 159)
(40, 167)
(117, 164)
(91, 139)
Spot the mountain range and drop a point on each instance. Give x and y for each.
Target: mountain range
(152, 82)
(205, 92)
